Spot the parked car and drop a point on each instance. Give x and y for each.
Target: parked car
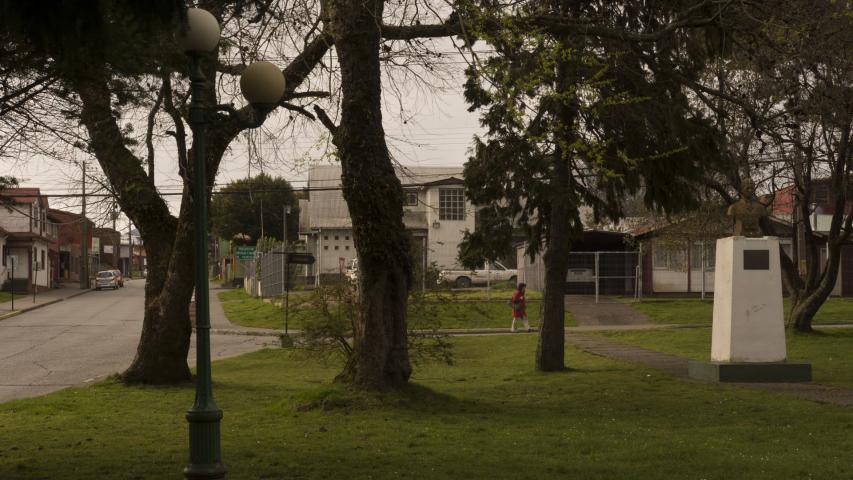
(495, 272)
(106, 279)
(119, 277)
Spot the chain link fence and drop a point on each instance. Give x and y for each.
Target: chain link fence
(264, 275)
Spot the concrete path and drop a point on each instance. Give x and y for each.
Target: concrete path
(677, 367)
(24, 303)
(83, 339)
(586, 312)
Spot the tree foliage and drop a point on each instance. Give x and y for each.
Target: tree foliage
(582, 118)
(239, 207)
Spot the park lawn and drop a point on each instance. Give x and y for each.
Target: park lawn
(697, 311)
(828, 350)
(490, 415)
(445, 311)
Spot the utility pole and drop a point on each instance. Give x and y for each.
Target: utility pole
(262, 218)
(84, 242)
(129, 251)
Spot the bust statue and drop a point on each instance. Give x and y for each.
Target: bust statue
(747, 211)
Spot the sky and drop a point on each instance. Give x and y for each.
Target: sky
(423, 128)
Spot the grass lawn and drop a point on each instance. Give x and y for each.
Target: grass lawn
(696, 311)
(488, 416)
(7, 297)
(828, 350)
(450, 311)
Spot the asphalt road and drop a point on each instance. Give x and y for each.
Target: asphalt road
(84, 339)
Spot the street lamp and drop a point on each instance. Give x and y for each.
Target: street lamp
(263, 89)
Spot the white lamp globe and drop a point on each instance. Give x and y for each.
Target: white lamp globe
(262, 83)
(202, 33)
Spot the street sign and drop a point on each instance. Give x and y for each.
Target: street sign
(297, 257)
(244, 253)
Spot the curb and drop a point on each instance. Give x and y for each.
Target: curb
(15, 313)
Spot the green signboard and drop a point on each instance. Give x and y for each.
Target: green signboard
(244, 253)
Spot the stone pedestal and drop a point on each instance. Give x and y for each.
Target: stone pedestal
(748, 336)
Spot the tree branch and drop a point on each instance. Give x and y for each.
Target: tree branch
(409, 32)
(325, 120)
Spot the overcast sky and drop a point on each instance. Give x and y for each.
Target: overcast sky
(435, 130)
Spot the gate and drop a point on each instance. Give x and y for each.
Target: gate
(603, 277)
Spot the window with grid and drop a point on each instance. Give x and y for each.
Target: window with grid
(451, 204)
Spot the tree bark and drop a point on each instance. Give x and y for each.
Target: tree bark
(161, 356)
(550, 351)
(375, 199)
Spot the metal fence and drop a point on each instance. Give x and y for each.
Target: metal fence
(592, 276)
(264, 275)
(604, 275)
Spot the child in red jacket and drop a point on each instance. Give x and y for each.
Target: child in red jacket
(519, 307)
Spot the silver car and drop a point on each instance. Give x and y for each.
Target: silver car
(106, 279)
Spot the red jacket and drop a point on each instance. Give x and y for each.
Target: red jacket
(518, 304)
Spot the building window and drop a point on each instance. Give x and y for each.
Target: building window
(411, 199)
(325, 237)
(325, 247)
(668, 257)
(696, 255)
(346, 248)
(42, 260)
(820, 194)
(336, 237)
(337, 247)
(451, 204)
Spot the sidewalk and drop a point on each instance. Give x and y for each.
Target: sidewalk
(677, 367)
(43, 298)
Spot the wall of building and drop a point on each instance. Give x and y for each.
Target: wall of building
(443, 236)
(329, 246)
(16, 220)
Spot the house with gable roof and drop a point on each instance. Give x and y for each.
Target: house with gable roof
(436, 212)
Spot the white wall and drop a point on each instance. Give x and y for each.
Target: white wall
(443, 242)
(15, 221)
(329, 246)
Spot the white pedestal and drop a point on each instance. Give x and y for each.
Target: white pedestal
(749, 321)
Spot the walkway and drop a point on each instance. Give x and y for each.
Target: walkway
(677, 367)
(24, 302)
(586, 313)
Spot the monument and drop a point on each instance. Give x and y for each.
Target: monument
(748, 333)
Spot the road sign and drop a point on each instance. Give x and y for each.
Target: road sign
(297, 257)
(244, 253)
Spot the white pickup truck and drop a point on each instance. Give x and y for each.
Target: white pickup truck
(491, 273)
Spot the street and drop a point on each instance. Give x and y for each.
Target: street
(84, 339)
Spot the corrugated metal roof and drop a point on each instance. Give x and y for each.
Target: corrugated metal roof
(328, 209)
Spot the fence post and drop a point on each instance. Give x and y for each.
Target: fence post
(597, 277)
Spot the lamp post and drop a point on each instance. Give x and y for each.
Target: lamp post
(263, 85)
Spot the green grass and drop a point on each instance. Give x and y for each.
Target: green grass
(696, 311)
(490, 416)
(448, 310)
(828, 350)
(7, 297)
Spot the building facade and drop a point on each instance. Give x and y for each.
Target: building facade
(436, 212)
(29, 240)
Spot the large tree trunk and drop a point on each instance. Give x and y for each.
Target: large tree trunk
(375, 199)
(162, 352)
(550, 351)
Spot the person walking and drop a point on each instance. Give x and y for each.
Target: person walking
(519, 307)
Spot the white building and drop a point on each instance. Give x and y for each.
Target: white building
(28, 239)
(435, 211)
